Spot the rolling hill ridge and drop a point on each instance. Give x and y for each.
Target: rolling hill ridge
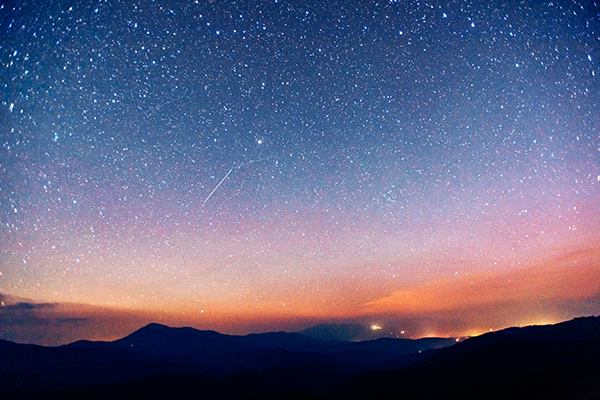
(158, 361)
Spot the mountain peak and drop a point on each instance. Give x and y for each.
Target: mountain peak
(159, 332)
(154, 326)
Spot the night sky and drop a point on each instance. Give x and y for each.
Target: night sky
(228, 161)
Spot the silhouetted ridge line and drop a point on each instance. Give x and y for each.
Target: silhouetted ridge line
(583, 329)
(557, 361)
(552, 361)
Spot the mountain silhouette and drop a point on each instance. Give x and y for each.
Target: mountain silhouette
(157, 361)
(228, 353)
(536, 362)
(585, 330)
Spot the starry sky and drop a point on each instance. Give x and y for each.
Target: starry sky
(224, 161)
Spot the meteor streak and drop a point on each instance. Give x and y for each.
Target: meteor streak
(216, 187)
(226, 175)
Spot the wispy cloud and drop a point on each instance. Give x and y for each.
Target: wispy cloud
(572, 276)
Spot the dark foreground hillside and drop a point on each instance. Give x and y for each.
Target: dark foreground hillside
(559, 361)
(541, 362)
(162, 362)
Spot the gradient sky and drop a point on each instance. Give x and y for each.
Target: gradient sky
(223, 161)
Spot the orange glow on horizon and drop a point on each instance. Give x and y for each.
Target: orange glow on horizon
(574, 276)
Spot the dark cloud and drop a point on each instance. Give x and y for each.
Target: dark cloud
(24, 306)
(25, 321)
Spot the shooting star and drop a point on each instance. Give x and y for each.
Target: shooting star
(226, 175)
(216, 187)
